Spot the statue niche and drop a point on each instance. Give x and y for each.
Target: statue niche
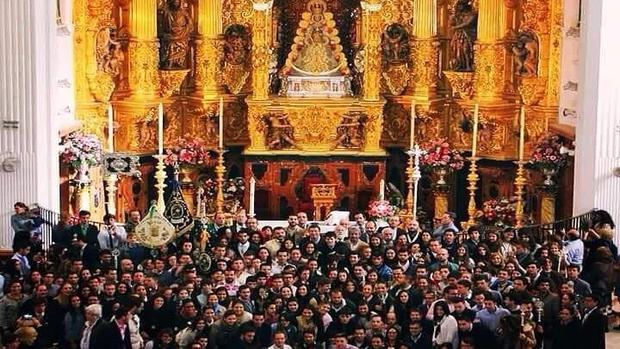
(350, 132)
(175, 25)
(316, 66)
(525, 54)
(237, 47)
(464, 24)
(395, 49)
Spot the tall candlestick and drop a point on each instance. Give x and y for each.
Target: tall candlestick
(110, 129)
(521, 132)
(412, 124)
(252, 193)
(221, 125)
(160, 129)
(474, 142)
(382, 190)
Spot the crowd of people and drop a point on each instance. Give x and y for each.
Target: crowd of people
(233, 283)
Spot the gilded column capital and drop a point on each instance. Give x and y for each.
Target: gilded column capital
(372, 6)
(262, 6)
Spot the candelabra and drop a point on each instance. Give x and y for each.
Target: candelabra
(413, 178)
(472, 178)
(220, 170)
(160, 176)
(520, 182)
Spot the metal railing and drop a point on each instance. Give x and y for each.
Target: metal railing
(542, 232)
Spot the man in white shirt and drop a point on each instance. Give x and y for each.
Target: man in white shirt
(93, 324)
(111, 237)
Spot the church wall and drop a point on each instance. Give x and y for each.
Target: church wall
(26, 30)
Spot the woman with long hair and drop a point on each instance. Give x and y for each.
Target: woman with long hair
(461, 257)
(74, 322)
(445, 330)
(392, 340)
(402, 305)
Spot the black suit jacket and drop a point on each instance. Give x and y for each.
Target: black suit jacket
(424, 342)
(89, 255)
(593, 331)
(110, 337)
(95, 333)
(91, 234)
(252, 248)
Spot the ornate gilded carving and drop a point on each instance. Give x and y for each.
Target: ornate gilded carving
(489, 76)
(109, 53)
(461, 83)
(493, 134)
(261, 50)
(373, 128)
(526, 53)
(464, 24)
(207, 65)
(425, 54)
(145, 135)
(237, 12)
(396, 78)
(280, 133)
(175, 25)
(532, 90)
(395, 124)
(236, 123)
(143, 72)
(171, 81)
(237, 48)
(372, 59)
(395, 49)
(315, 125)
(535, 14)
(350, 132)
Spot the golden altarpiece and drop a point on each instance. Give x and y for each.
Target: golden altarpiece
(319, 91)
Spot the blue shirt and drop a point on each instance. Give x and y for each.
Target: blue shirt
(574, 251)
(491, 319)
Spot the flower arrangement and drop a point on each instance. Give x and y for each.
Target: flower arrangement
(189, 151)
(381, 209)
(499, 213)
(77, 149)
(547, 153)
(439, 154)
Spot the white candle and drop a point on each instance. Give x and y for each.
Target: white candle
(521, 132)
(252, 193)
(160, 128)
(110, 129)
(474, 142)
(221, 125)
(382, 190)
(412, 124)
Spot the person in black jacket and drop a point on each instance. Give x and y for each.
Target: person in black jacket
(86, 230)
(417, 338)
(482, 337)
(594, 324)
(566, 333)
(114, 334)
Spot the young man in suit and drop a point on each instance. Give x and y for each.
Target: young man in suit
(115, 334)
(84, 229)
(594, 323)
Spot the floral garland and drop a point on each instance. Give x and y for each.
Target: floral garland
(189, 151)
(439, 154)
(547, 153)
(381, 209)
(77, 149)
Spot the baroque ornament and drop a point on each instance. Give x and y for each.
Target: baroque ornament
(154, 230)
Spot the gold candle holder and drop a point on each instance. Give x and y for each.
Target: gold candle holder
(520, 182)
(472, 178)
(160, 176)
(220, 170)
(409, 202)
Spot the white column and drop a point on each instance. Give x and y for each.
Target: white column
(27, 34)
(598, 127)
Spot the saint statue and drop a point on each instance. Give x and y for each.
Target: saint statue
(175, 27)
(464, 24)
(316, 49)
(525, 54)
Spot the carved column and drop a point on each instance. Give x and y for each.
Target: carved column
(143, 49)
(425, 50)
(261, 50)
(490, 52)
(371, 20)
(207, 48)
